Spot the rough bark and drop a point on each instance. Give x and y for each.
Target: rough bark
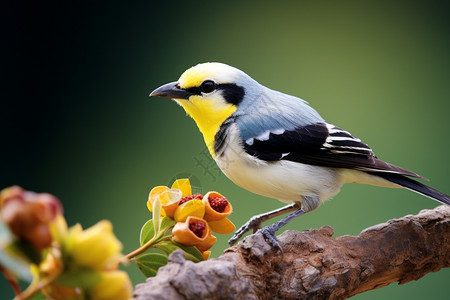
(314, 265)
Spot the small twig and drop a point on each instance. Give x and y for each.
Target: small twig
(34, 288)
(145, 247)
(12, 281)
(139, 250)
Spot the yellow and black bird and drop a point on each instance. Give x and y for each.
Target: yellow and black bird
(276, 145)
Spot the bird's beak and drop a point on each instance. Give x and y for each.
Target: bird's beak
(171, 90)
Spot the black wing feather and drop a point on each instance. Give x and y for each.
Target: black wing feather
(321, 144)
(416, 186)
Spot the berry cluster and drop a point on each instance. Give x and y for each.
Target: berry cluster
(197, 228)
(218, 203)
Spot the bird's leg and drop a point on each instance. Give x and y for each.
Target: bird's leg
(269, 231)
(308, 204)
(255, 222)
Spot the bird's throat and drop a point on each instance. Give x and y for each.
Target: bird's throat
(208, 117)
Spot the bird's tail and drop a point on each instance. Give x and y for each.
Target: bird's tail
(415, 186)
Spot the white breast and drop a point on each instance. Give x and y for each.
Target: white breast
(284, 180)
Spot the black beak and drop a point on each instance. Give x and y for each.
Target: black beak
(171, 90)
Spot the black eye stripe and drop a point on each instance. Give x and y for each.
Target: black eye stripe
(196, 90)
(232, 93)
(203, 88)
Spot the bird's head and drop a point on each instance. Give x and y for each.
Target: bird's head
(209, 93)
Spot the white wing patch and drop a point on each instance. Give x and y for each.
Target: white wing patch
(341, 141)
(278, 131)
(249, 141)
(284, 154)
(331, 138)
(263, 136)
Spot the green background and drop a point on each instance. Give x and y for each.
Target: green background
(77, 122)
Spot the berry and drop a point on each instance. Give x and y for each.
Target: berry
(189, 198)
(197, 228)
(218, 203)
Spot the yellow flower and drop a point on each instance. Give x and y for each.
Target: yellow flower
(196, 216)
(58, 229)
(114, 285)
(156, 191)
(96, 248)
(194, 208)
(184, 186)
(169, 199)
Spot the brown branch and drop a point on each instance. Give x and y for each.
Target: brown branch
(314, 265)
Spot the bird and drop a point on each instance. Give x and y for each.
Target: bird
(276, 145)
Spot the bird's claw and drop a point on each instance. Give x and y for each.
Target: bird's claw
(253, 224)
(269, 233)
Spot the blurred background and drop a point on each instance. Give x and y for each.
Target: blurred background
(77, 122)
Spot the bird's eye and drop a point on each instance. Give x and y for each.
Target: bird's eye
(208, 86)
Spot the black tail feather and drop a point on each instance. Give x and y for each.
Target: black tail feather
(415, 186)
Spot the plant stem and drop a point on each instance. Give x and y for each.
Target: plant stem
(141, 249)
(11, 280)
(148, 245)
(165, 238)
(34, 288)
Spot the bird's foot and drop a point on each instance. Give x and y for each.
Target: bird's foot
(253, 224)
(269, 233)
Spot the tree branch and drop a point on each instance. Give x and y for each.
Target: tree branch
(314, 265)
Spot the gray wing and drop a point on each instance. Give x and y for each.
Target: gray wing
(273, 110)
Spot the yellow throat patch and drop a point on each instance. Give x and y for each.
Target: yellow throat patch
(209, 115)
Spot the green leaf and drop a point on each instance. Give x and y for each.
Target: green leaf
(157, 214)
(166, 246)
(166, 222)
(147, 232)
(83, 278)
(149, 263)
(190, 253)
